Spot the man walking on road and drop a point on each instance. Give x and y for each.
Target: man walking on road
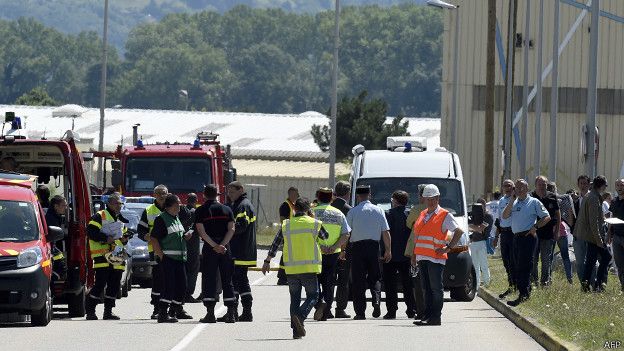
(302, 259)
(431, 249)
(342, 192)
(369, 226)
(527, 215)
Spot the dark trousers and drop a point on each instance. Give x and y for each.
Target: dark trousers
(213, 265)
(297, 282)
(366, 273)
(545, 249)
(419, 294)
(281, 273)
(433, 286)
(392, 271)
(327, 279)
(156, 279)
(507, 253)
(107, 282)
(242, 288)
(174, 281)
(524, 247)
(618, 256)
(593, 253)
(192, 270)
(343, 269)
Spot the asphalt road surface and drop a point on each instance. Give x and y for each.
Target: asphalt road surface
(466, 326)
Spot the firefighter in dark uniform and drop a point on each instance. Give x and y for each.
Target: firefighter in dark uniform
(286, 211)
(215, 225)
(243, 246)
(192, 246)
(168, 238)
(105, 231)
(144, 228)
(55, 217)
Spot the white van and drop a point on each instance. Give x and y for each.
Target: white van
(404, 165)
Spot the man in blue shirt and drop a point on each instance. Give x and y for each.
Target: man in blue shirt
(503, 231)
(527, 214)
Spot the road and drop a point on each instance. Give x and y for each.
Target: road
(474, 326)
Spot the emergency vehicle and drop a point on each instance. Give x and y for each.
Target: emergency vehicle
(59, 165)
(404, 165)
(25, 250)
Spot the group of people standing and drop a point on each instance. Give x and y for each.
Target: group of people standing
(531, 224)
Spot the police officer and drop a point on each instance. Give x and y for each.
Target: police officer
(369, 226)
(169, 242)
(302, 259)
(336, 225)
(527, 215)
(144, 228)
(104, 227)
(504, 232)
(286, 211)
(215, 225)
(243, 246)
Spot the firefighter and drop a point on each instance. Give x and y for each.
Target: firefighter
(286, 211)
(105, 231)
(144, 230)
(168, 239)
(55, 216)
(243, 246)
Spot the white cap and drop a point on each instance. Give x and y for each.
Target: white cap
(431, 191)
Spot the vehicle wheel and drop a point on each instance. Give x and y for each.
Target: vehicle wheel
(467, 292)
(76, 304)
(42, 317)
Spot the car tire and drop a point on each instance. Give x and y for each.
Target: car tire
(467, 292)
(76, 304)
(43, 317)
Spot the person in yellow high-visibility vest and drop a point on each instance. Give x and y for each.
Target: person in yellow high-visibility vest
(336, 224)
(105, 232)
(302, 259)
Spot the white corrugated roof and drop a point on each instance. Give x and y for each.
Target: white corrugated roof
(250, 134)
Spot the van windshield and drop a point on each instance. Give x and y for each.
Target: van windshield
(18, 221)
(451, 197)
(178, 174)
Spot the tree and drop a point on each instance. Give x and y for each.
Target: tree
(360, 122)
(36, 97)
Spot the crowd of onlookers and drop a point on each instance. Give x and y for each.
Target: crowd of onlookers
(582, 223)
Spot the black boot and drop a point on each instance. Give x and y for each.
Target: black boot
(155, 312)
(180, 313)
(108, 311)
(222, 318)
(90, 304)
(246, 316)
(230, 315)
(341, 314)
(210, 317)
(163, 315)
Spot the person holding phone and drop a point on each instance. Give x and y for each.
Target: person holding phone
(215, 225)
(527, 215)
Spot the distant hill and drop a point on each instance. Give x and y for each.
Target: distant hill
(73, 16)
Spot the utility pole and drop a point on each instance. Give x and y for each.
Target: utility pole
(554, 99)
(509, 83)
(538, 102)
(334, 99)
(100, 173)
(490, 81)
(592, 85)
(525, 91)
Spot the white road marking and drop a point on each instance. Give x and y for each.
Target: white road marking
(198, 328)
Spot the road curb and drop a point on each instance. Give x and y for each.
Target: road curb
(538, 332)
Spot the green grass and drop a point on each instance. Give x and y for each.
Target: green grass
(585, 319)
(265, 236)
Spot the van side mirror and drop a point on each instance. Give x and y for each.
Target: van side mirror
(116, 178)
(55, 234)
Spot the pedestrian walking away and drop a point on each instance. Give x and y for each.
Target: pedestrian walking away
(169, 241)
(368, 227)
(302, 259)
(505, 236)
(144, 229)
(106, 233)
(431, 252)
(286, 211)
(215, 224)
(243, 246)
(527, 215)
(342, 193)
(336, 225)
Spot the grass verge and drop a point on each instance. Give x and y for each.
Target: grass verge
(588, 320)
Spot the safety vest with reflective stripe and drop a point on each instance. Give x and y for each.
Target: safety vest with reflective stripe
(302, 253)
(429, 235)
(98, 249)
(332, 220)
(173, 245)
(152, 212)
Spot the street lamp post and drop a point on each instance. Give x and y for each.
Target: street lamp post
(100, 173)
(446, 5)
(334, 99)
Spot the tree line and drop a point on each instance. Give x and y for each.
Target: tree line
(256, 60)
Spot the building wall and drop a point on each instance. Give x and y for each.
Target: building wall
(573, 76)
